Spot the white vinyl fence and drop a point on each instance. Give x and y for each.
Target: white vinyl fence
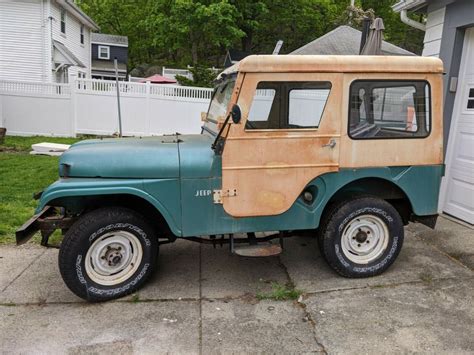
(88, 106)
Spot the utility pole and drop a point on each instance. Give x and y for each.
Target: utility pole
(118, 96)
(350, 12)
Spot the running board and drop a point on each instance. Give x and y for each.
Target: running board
(258, 250)
(256, 247)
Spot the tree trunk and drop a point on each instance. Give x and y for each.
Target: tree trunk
(247, 42)
(194, 49)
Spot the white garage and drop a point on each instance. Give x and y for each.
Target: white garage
(449, 35)
(457, 197)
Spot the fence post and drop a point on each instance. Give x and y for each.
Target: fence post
(148, 113)
(73, 106)
(1, 111)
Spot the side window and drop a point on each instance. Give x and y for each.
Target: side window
(389, 109)
(306, 107)
(288, 105)
(63, 21)
(265, 109)
(103, 52)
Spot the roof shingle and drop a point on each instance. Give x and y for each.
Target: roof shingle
(344, 40)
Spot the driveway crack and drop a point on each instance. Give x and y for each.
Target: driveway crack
(23, 271)
(302, 305)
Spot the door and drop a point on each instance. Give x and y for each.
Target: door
(289, 134)
(459, 181)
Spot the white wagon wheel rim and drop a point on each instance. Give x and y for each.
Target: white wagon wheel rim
(364, 239)
(113, 258)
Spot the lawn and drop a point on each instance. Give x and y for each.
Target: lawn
(22, 174)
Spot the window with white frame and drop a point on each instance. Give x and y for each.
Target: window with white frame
(82, 34)
(63, 21)
(104, 52)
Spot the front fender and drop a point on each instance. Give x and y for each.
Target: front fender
(80, 187)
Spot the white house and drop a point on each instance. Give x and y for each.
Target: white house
(44, 41)
(449, 35)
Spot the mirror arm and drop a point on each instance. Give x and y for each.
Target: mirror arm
(214, 145)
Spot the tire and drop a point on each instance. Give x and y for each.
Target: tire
(361, 237)
(108, 253)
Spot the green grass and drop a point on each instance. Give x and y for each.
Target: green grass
(23, 144)
(281, 292)
(22, 174)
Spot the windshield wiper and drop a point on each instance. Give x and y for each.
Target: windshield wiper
(216, 144)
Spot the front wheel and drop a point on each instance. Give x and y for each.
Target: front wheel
(361, 237)
(108, 253)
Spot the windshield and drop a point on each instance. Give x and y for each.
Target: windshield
(218, 107)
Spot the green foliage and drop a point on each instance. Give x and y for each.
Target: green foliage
(182, 32)
(396, 32)
(21, 175)
(202, 76)
(281, 292)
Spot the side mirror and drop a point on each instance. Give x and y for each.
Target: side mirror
(236, 114)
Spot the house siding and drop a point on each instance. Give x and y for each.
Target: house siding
(459, 16)
(72, 40)
(121, 53)
(434, 32)
(22, 41)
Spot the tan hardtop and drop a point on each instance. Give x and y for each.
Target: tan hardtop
(336, 63)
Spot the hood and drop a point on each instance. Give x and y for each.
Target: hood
(153, 157)
(187, 156)
(197, 159)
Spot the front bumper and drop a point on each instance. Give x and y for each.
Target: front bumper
(46, 221)
(31, 226)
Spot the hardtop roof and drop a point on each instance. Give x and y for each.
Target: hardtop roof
(336, 63)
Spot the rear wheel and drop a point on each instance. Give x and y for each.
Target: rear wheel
(361, 237)
(108, 253)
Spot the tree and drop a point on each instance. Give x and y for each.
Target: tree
(296, 23)
(127, 18)
(199, 32)
(202, 77)
(251, 14)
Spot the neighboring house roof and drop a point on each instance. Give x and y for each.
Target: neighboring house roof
(72, 8)
(109, 39)
(344, 40)
(68, 58)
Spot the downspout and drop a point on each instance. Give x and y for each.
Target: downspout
(44, 60)
(50, 42)
(408, 21)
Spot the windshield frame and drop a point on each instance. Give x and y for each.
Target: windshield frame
(220, 84)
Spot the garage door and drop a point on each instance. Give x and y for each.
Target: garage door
(459, 188)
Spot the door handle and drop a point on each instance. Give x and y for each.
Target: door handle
(331, 144)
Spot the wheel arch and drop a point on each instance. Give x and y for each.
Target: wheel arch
(375, 187)
(78, 201)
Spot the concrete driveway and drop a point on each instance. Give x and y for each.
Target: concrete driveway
(202, 300)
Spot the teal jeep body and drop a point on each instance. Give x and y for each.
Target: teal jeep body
(177, 174)
(346, 149)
